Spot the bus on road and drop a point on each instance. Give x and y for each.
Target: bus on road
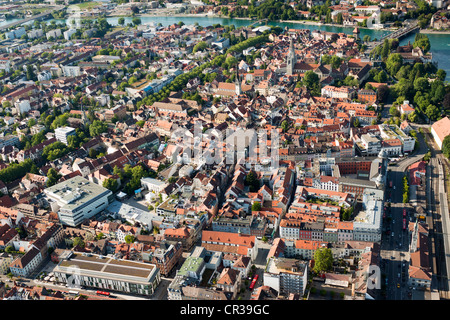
(252, 285)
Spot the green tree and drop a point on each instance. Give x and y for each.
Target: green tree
(422, 41)
(252, 181)
(78, 242)
(136, 21)
(55, 151)
(351, 81)
(394, 111)
(256, 206)
(285, 125)
(446, 146)
(386, 49)
(73, 141)
(421, 84)
(323, 260)
(413, 117)
(441, 74)
(432, 112)
(117, 171)
(121, 21)
(346, 213)
(97, 128)
(380, 77)
(111, 184)
(16, 171)
(336, 62)
(311, 81)
(393, 63)
(339, 18)
(53, 177)
(31, 122)
(129, 238)
(382, 93)
(231, 61)
(30, 73)
(200, 46)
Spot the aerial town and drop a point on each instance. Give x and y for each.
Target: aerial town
(286, 151)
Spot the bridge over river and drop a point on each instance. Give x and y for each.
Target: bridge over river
(400, 33)
(41, 16)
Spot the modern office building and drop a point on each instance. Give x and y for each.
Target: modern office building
(107, 273)
(61, 134)
(77, 199)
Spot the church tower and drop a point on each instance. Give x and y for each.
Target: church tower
(84, 119)
(237, 82)
(356, 33)
(291, 59)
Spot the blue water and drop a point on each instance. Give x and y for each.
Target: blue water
(440, 43)
(440, 48)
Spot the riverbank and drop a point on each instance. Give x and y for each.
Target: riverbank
(426, 31)
(180, 15)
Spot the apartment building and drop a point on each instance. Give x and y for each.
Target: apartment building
(286, 276)
(5, 261)
(25, 265)
(165, 257)
(228, 242)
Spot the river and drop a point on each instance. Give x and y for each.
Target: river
(440, 43)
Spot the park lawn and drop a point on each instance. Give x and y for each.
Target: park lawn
(87, 5)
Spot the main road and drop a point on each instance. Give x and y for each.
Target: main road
(395, 246)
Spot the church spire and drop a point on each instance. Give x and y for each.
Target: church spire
(237, 81)
(291, 59)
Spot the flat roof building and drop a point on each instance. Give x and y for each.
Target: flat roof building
(107, 273)
(286, 275)
(77, 199)
(61, 134)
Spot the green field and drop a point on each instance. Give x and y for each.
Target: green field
(88, 5)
